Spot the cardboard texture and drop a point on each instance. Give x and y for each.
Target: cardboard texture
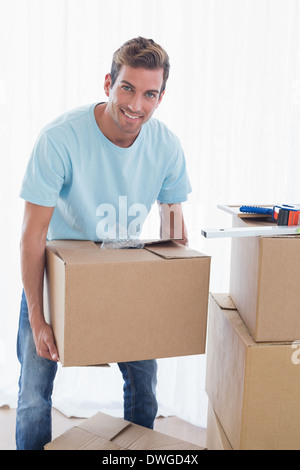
(119, 305)
(216, 438)
(103, 432)
(264, 284)
(254, 388)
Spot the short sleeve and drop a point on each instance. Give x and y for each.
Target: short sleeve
(44, 175)
(176, 185)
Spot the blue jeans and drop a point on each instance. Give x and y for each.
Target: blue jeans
(33, 423)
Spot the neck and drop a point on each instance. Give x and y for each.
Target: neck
(108, 128)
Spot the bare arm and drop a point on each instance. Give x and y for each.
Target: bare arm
(32, 246)
(172, 222)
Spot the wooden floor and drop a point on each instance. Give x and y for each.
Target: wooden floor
(172, 426)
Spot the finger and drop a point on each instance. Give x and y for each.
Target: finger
(53, 353)
(48, 351)
(44, 353)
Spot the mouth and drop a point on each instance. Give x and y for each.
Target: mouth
(131, 117)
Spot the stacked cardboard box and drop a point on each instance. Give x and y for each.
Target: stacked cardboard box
(264, 284)
(253, 366)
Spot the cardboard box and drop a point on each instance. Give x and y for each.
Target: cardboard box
(216, 438)
(119, 305)
(254, 388)
(103, 432)
(264, 283)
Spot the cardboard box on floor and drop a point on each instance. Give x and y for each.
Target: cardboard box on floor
(254, 388)
(264, 283)
(119, 305)
(103, 432)
(216, 438)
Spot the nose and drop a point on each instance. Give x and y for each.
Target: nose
(135, 103)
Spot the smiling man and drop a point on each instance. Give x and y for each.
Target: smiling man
(132, 101)
(111, 154)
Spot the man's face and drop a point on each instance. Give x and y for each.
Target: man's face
(133, 98)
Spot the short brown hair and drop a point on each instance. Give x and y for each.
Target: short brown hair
(141, 52)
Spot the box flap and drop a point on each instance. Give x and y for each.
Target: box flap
(89, 252)
(226, 304)
(154, 440)
(104, 426)
(76, 251)
(71, 250)
(173, 250)
(136, 437)
(230, 312)
(78, 438)
(224, 301)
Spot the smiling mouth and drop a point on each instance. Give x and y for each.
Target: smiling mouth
(133, 117)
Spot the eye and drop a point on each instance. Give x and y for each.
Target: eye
(126, 88)
(150, 95)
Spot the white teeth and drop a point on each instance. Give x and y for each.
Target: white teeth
(131, 117)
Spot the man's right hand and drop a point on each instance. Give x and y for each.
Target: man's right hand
(44, 342)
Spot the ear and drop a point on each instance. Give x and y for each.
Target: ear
(107, 84)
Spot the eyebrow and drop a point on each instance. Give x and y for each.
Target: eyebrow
(132, 86)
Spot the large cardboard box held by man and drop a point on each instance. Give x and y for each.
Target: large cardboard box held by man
(264, 283)
(254, 388)
(104, 432)
(119, 305)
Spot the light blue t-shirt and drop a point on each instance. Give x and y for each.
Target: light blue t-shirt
(97, 187)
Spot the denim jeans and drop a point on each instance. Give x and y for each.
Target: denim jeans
(33, 423)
